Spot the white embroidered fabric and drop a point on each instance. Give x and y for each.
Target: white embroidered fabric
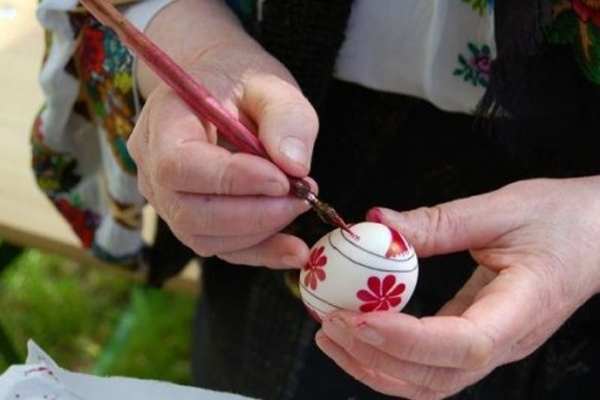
(40, 378)
(413, 46)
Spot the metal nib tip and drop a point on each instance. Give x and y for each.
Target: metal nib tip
(300, 189)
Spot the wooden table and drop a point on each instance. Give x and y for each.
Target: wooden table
(26, 217)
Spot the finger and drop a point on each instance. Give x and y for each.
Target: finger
(513, 308)
(280, 251)
(197, 167)
(183, 156)
(208, 246)
(376, 380)
(287, 122)
(440, 341)
(144, 187)
(227, 215)
(164, 114)
(503, 313)
(458, 225)
(137, 143)
(440, 379)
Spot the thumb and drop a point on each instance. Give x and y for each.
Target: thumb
(287, 123)
(458, 225)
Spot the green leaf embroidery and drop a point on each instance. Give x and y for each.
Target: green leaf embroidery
(474, 68)
(480, 6)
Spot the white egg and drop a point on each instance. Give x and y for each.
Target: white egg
(374, 270)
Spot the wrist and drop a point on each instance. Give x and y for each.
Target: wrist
(187, 30)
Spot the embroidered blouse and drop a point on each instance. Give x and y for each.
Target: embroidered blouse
(437, 50)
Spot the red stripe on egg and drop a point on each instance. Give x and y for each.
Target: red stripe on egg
(398, 245)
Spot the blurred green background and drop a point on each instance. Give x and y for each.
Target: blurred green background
(95, 321)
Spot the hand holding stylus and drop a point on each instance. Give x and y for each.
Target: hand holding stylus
(218, 202)
(201, 101)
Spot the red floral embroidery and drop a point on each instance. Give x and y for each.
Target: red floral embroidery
(315, 268)
(382, 294)
(83, 222)
(92, 51)
(588, 10)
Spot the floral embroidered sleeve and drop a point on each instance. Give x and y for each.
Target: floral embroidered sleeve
(78, 140)
(475, 67)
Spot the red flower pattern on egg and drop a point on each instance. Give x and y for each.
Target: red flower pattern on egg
(398, 245)
(314, 268)
(382, 294)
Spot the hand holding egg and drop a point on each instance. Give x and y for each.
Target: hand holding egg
(374, 270)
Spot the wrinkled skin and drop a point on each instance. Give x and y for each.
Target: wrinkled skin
(536, 243)
(217, 201)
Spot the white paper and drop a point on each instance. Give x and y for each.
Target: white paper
(40, 378)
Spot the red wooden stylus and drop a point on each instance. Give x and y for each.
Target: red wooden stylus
(199, 99)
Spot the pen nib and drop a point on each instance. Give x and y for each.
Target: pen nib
(327, 213)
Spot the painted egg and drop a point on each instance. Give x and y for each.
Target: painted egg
(375, 269)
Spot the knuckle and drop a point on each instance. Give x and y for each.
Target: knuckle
(135, 141)
(429, 378)
(367, 378)
(423, 393)
(226, 180)
(480, 352)
(263, 220)
(445, 381)
(255, 256)
(412, 350)
(454, 383)
(168, 167)
(132, 147)
(144, 188)
(437, 219)
(176, 213)
(312, 120)
(431, 218)
(370, 359)
(203, 252)
(200, 247)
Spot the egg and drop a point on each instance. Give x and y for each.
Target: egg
(373, 268)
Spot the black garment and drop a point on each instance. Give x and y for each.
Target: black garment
(254, 337)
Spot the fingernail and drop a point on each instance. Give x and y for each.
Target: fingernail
(369, 335)
(294, 149)
(337, 331)
(375, 215)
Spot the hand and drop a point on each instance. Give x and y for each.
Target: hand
(216, 201)
(537, 246)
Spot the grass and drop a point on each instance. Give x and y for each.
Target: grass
(94, 321)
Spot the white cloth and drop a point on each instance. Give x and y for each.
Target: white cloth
(412, 47)
(404, 46)
(40, 378)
